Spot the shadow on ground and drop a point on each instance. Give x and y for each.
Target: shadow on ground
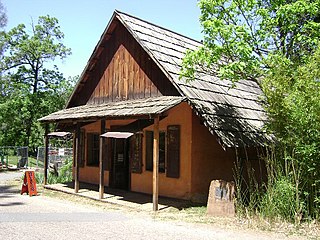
(8, 192)
(134, 197)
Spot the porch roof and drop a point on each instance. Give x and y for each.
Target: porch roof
(149, 107)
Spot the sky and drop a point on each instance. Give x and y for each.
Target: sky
(83, 21)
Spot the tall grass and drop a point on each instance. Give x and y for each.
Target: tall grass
(278, 197)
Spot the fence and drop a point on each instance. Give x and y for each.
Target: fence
(10, 155)
(56, 155)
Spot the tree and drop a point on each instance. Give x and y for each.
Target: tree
(32, 85)
(275, 43)
(242, 36)
(294, 117)
(3, 16)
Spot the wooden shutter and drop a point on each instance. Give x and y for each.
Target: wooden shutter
(89, 148)
(173, 151)
(149, 150)
(136, 153)
(82, 146)
(74, 150)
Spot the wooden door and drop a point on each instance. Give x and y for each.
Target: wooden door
(120, 164)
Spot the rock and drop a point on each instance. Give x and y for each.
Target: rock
(221, 199)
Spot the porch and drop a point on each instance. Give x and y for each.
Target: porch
(117, 160)
(123, 198)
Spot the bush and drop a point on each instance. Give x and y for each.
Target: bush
(64, 174)
(279, 201)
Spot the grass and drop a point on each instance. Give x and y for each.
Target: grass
(311, 230)
(13, 160)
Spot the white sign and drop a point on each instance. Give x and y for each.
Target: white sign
(61, 151)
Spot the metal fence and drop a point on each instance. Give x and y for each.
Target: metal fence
(56, 155)
(10, 155)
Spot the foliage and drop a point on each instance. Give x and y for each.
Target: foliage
(279, 200)
(275, 43)
(294, 117)
(31, 86)
(241, 36)
(3, 16)
(64, 174)
(3, 22)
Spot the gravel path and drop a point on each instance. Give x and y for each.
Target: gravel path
(40, 217)
(10, 175)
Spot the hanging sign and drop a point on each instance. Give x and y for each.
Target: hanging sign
(29, 183)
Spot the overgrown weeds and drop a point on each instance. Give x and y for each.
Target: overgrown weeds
(64, 174)
(283, 196)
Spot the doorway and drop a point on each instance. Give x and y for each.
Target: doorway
(119, 177)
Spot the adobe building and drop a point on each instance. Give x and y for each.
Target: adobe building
(138, 127)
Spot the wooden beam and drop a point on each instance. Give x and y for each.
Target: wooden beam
(46, 154)
(77, 159)
(101, 162)
(155, 187)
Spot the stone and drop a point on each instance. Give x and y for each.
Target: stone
(221, 199)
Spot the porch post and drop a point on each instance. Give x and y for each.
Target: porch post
(77, 157)
(155, 164)
(46, 154)
(101, 162)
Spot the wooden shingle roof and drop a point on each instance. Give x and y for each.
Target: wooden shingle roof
(146, 108)
(234, 114)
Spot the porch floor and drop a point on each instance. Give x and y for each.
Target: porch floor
(134, 200)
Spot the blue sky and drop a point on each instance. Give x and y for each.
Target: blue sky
(83, 21)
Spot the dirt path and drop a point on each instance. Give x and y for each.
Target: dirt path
(41, 217)
(10, 175)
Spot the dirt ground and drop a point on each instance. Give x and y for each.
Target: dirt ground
(53, 215)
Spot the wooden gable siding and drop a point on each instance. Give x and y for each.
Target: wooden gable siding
(123, 71)
(124, 79)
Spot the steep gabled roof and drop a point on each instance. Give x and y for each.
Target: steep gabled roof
(234, 114)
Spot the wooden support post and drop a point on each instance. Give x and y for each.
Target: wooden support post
(155, 164)
(46, 154)
(101, 162)
(77, 159)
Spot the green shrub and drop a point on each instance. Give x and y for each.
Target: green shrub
(279, 201)
(64, 174)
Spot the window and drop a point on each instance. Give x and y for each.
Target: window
(149, 151)
(93, 149)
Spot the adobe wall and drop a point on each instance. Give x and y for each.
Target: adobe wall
(90, 174)
(209, 161)
(202, 159)
(170, 187)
